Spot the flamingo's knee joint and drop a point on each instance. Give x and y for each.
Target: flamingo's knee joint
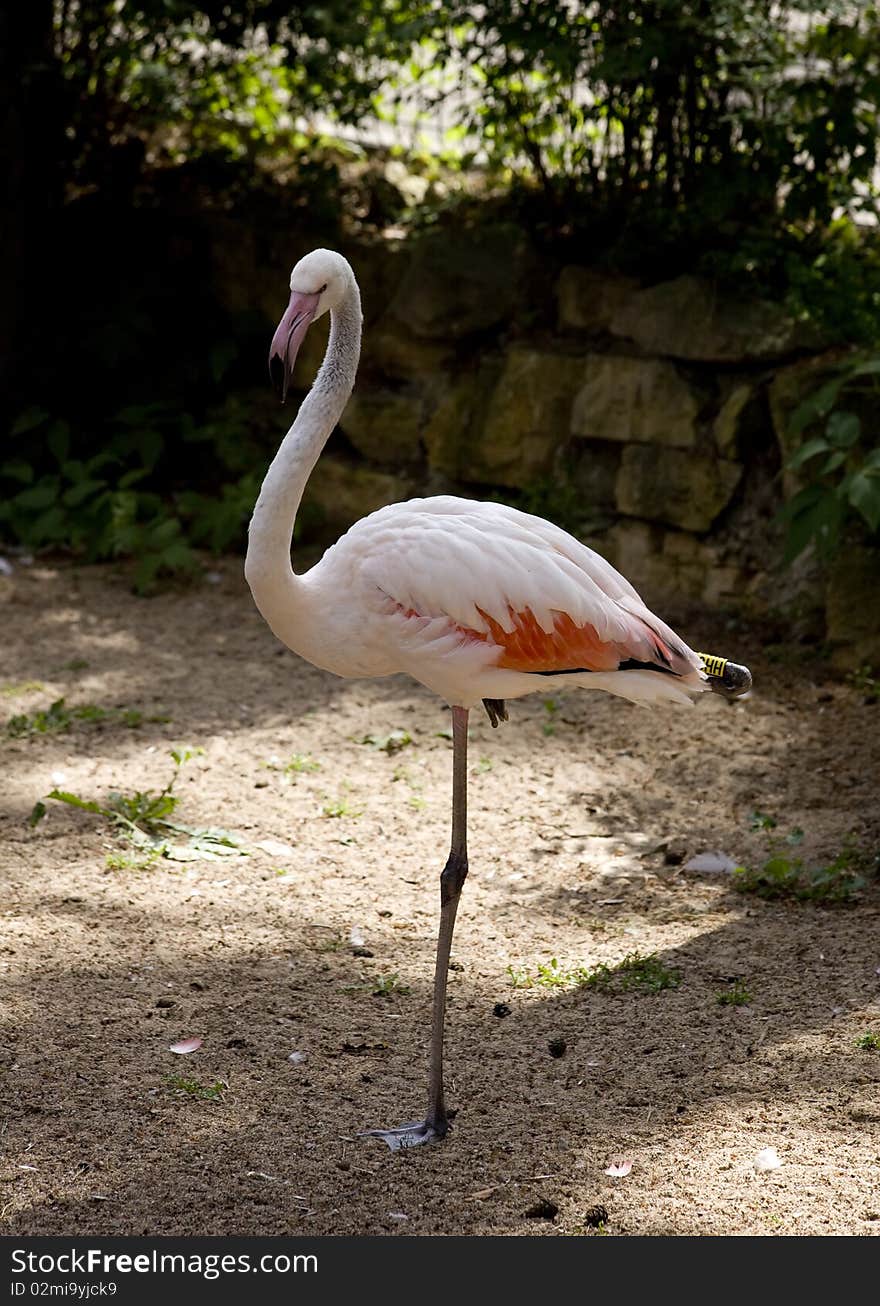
(453, 876)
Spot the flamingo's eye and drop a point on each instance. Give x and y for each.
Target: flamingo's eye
(323, 288)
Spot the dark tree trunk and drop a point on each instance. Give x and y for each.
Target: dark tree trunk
(31, 144)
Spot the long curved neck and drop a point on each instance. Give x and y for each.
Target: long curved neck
(268, 568)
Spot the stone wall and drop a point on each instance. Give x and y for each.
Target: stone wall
(650, 421)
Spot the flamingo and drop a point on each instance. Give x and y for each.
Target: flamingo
(476, 601)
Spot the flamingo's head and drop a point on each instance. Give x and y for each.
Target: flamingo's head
(318, 283)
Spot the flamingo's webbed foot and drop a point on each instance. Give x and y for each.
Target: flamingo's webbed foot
(411, 1135)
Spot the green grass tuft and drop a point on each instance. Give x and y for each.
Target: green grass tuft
(737, 995)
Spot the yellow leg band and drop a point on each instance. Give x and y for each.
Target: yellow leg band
(712, 664)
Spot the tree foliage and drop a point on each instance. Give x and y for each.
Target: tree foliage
(738, 138)
(185, 77)
(732, 106)
(722, 108)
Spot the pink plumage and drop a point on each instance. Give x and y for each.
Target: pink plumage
(478, 600)
(474, 600)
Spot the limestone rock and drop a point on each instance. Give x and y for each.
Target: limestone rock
(453, 429)
(591, 471)
(635, 549)
(852, 613)
(669, 564)
(724, 587)
(385, 425)
(690, 318)
(458, 283)
(683, 489)
(398, 354)
(339, 493)
(726, 427)
(690, 562)
(587, 300)
(528, 417)
(640, 399)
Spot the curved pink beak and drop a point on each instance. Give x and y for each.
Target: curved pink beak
(288, 337)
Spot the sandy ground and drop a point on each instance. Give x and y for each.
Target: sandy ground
(581, 811)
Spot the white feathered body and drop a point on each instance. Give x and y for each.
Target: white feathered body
(420, 587)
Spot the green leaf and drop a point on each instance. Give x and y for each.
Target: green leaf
(30, 418)
(83, 490)
(813, 516)
(38, 811)
(864, 495)
(807, 451)
(73, 800)
(18, 470)
(836, 460)
(51, 526)
(816, 405)
(58, 440)
(843, 429)
(41, 495)
(131, 478)
(150, 445)
(871, 368)
(163, 532)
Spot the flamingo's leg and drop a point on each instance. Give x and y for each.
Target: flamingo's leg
(436, 1124)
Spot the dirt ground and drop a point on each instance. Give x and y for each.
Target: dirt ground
(581, 811)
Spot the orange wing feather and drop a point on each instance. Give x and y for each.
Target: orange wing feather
(566, 647)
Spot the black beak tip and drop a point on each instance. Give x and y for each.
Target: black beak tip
(737, 679)
(278, 376)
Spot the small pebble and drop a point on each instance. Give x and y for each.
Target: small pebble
(557, 1047)
(360, 951)
(596, 1216)
(501, 1009)
(166, 1002)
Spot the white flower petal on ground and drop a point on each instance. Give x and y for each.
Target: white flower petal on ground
(711, 863)
(275, 848)
(185, 1045)
(767, 1159)
(619, 1167)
